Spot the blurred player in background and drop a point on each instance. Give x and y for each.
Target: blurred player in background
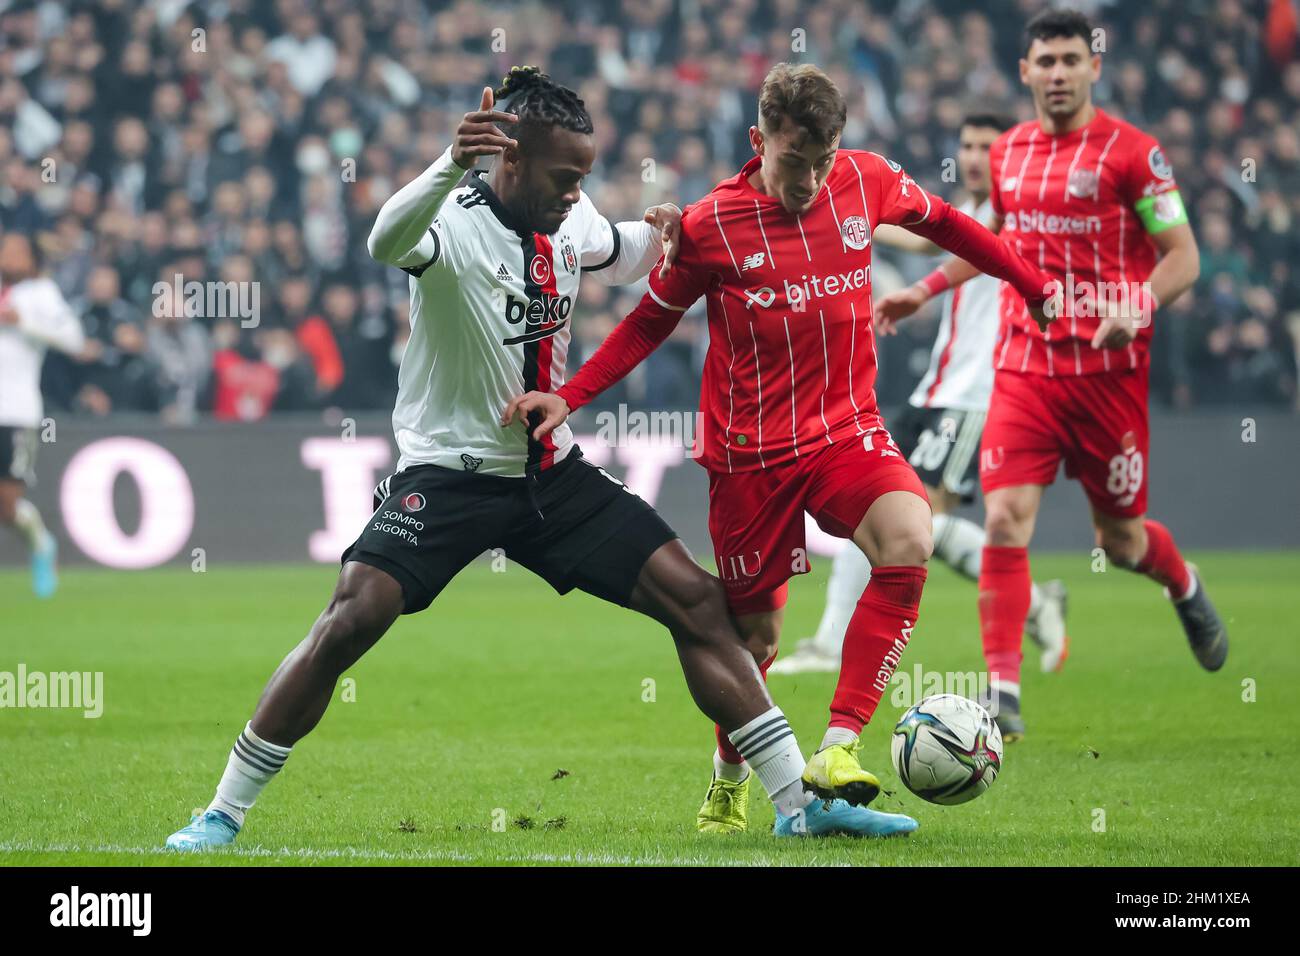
(939, 433)
(781, 252)
(495, 263)
(1094, 200)
(34, 317)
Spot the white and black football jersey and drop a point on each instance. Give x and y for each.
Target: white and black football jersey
(45, 320)
(491, 305)
(960, 375)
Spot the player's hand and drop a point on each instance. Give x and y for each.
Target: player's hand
(554, 411)
(897, 306)
(8, 316)
(1117, 327)
(478, 135)
(1052, 307)
(667, 218)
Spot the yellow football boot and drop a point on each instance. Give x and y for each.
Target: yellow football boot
(726, 807)
(834, 773)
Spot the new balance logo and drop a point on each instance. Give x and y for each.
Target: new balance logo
(754, 261)
(503, 274)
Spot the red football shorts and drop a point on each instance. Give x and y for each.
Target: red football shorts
(756, 518)
(1096, 424)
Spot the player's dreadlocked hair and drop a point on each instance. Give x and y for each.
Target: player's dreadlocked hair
(540, 103)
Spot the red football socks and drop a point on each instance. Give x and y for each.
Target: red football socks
(877, 635)
(1162, 563)
(1004, 592)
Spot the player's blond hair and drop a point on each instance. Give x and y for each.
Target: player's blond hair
(806, 97)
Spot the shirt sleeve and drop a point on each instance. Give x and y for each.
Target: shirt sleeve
(408, 232)
(1147, 185)
(616, 254)
(46, 318)
(689, 276)
(900, 201)
(627, 346)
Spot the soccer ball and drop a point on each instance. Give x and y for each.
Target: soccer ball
(947, 749)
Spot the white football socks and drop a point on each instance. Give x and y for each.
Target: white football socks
(734, 772)
(850, 572)
(959, 543)
(837, 735)
(769, 747)
(27, 519)
(252, 764)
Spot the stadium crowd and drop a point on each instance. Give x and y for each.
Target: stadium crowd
(253, 141)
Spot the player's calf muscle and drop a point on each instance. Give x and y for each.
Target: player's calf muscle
(1123, 539)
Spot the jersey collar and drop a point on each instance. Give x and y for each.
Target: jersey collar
(494, 203)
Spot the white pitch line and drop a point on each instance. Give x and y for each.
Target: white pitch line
(430, 856)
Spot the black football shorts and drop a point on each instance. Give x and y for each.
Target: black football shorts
(18, 454)
(574, 525)
(943, 445)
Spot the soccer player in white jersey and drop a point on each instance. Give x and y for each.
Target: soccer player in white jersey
(34, 317)
(939, 433)
(495, 265)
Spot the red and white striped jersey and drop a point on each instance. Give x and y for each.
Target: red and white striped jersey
(1082, 205)
(960, 374)
(791, 364)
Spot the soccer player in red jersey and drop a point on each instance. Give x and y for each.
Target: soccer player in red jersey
(782, 254)
(1092, 200)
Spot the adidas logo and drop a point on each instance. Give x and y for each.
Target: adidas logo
(503, 274)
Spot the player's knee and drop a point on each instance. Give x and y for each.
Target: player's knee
(762, 641)
(911, 547)
(1004, 526)
(8, 510)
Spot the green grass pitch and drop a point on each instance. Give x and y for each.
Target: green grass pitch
(465, 716)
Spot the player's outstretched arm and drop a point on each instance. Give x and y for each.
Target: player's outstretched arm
(49, 322)
(896, 306)
(636, 246)
(896, 237)
(402, 225)
(981, 251)
(627, 346)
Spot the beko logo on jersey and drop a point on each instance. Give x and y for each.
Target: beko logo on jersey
(816, 287)
(1035, 220)
(542, 317)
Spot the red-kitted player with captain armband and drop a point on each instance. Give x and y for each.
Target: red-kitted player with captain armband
(782, 255)
(1092, 200)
